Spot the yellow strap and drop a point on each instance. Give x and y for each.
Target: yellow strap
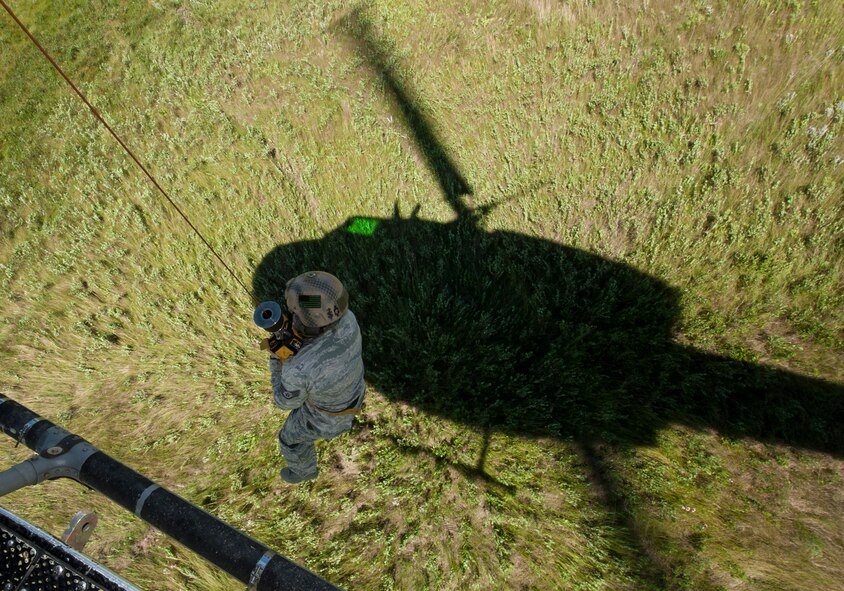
(352, 410)
(348, 411)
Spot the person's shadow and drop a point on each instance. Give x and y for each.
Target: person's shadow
(511, 333)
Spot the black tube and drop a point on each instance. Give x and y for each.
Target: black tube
(16, 419)
(121, 484)
(213, 539)
(282, 574)
(17, 477)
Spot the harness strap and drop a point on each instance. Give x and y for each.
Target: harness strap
(348, 411)
(355, 408)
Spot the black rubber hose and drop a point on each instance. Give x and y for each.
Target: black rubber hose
(213, 539)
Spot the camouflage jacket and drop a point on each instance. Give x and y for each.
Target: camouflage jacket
(326, 373)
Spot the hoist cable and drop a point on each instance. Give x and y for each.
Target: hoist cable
(125, 147)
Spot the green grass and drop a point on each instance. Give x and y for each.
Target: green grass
(688, 156)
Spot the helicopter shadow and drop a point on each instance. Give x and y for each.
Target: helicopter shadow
(510, 333)
(530, 337)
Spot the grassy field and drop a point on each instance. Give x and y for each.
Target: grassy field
(596, 250)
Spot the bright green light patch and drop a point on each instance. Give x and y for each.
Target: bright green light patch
(362, 226)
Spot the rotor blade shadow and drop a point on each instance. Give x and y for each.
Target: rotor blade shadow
(374, 51)
(608, 493)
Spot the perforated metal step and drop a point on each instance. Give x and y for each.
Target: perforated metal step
(33, 560)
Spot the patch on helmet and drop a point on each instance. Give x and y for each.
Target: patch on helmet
(310, 301)
(290, 394)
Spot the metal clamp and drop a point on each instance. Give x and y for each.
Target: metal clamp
(255, 577)
(139, 506)
(25, 429)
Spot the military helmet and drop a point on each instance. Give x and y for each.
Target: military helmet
(316, 298)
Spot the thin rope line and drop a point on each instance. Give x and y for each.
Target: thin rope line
(125, 147)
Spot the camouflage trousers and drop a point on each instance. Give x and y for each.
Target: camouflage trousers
(301, 430)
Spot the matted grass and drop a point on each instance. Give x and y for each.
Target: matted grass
(660, 185)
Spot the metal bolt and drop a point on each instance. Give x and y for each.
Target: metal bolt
(8, 587)
(81, 586)
(10, 543)
(57, 571)
(54, 451)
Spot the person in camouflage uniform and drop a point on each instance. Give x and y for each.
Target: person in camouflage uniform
(323, 382)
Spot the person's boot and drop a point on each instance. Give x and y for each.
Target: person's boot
(292, 477)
